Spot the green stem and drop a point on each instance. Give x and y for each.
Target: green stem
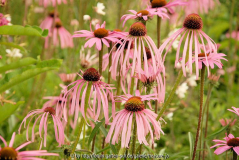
(133, 146)
(206, 107)
(158, 30)
(234, 155)
(121, 152)
(101, 59)
(171, 94)
(200, 110)
(82, 122)
(132, 86)
(110, 63)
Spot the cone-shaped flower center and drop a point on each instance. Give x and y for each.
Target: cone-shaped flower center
(143, 12)
(158, 3)
(134, 104)
(202, 55)
(101, 32)
(91, 74)
(58, 24)
(118, 30)
(50, 110)
(8, 153)
(233, 142)
(193, 21)
(138, 29)
(52, 14)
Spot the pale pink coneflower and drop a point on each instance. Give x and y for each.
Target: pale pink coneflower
(143, 15)
(229, 142)
(46, 3)
(160, 6)
(234, 110)
(99, 92)
(225, 122)
(200, 6)
(3, 20)
(43, 115)
(122, 123)
(99, 36)
(8, 152)
(192, 30)
(86, 59)
(67, 78)
(47, 23)
(59, 33)
(138, 36)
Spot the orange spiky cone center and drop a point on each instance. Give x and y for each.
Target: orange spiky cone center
(138, 29)
(8, 153)
(134, 104)
(193, 21)
(101, 32)
(91, 74)
(202, 55)
(158, 3)
(143, 12)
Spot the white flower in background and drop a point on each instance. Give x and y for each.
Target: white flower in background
(178, 65)
(38, 10)
(87, 60)
(182, 90)
(192, 81)
(15, 53)
(99, 8)
(95, 21)
(8, 17)
(86, 17)
(170, 116)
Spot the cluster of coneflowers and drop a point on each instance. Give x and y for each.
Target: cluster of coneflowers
(136, 63)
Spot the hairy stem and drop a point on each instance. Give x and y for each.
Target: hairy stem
(158, 30)
(101, 59)
(200, 110)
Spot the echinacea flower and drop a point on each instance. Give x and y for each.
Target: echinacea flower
(234, 35)
(60, 36)
(44, 115)
(99, 91)
(122, 123)
(160, 6)
(234, 110)
(99, 36)
(200, 6)
(87, 60)
(225, 122)
(2, 2)
(3, 20)
(99, 8)
(8, 152)
(137, 35)
(143, 16)
(230, 142)
(192, 30)
(47, 23)
(45, 3)
(67, 78)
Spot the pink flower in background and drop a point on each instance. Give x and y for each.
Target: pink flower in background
(47, 23)
(234, 110)
(67, 78)
(60, 36)
(137, 35)
(43, 116)
(160, 6)
(191, 33)
(230, 142)
(122, 123)
(143, 15)
(99, 92)
(234, 35)
(99, 36)
(225, 122)
(86, 59)
(45, 3)
(2, 2)
(200, 6)
(8, 152)
(3, 20)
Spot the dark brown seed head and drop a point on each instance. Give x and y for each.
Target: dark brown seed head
(158, 3)
(143, 12)
(193, 21)
(233, 142)
(134, 104)
(91, 74)
(52, 14)
(138, 29)
(50, 110)
(202, 55)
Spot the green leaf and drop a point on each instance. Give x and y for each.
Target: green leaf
(95, 130)
(44, 67)
(21, 63)
(191, 143)
(10, 44)
(217, 132)
(8, 109)
(106, 148)
(17, 30)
